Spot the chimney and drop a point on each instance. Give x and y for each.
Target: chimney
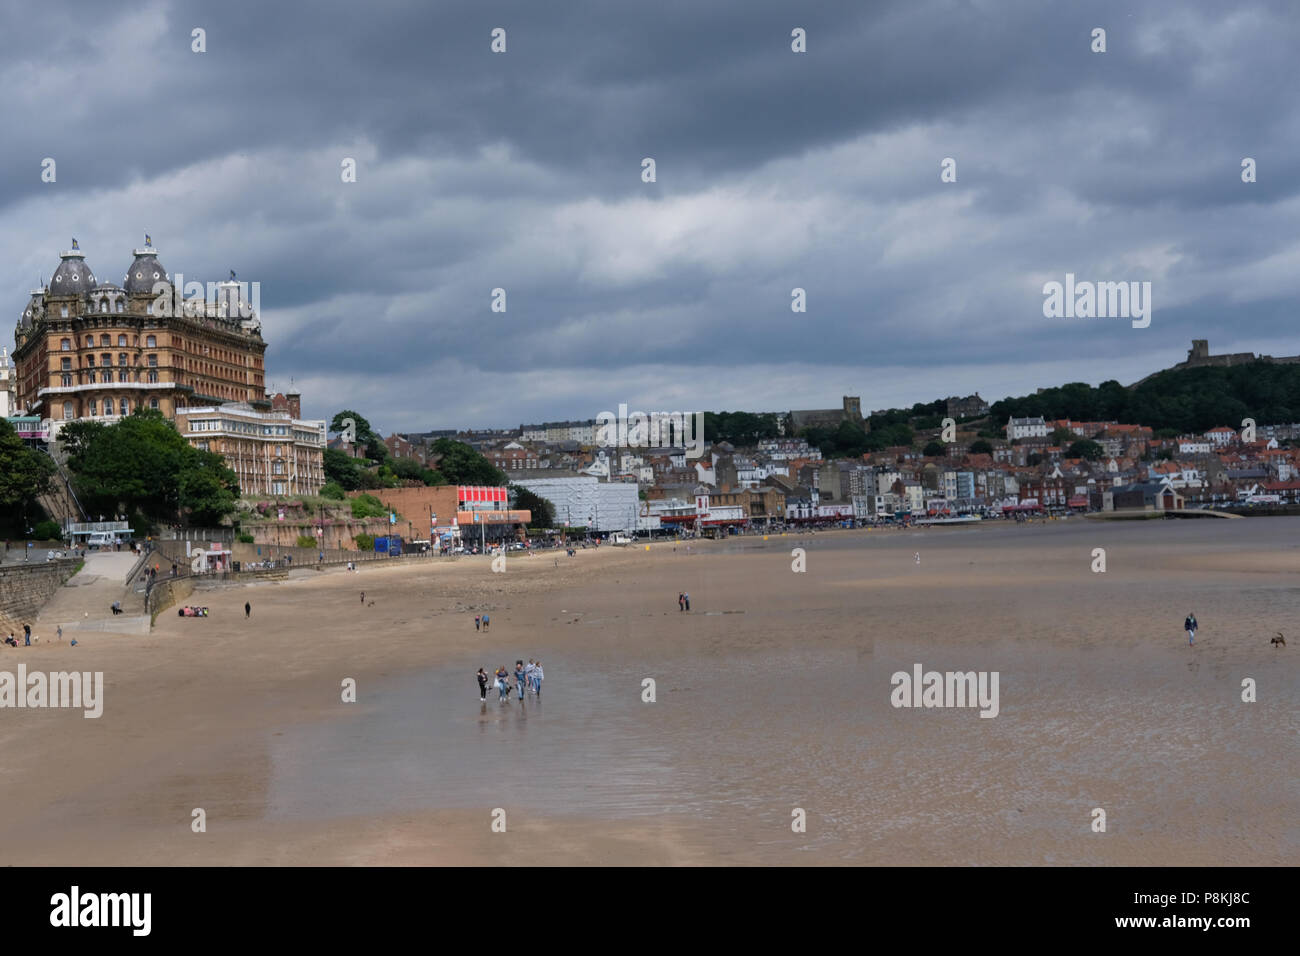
(295, 403)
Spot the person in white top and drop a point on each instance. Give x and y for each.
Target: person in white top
(537, 678)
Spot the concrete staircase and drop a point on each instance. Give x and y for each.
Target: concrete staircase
(84, 603)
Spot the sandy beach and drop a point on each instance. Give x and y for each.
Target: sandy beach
(772, 694)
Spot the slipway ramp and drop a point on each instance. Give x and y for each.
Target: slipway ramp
(84, 603)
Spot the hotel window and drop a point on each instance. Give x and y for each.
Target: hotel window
(153, 359)
(90, 361)
(121, 358)
(90, 377)
(121, 341)
(125, 406)
(67, 411)
(94, 408)
(67, 365)
(150, 342)
(149, 308)
(106, 359)
(121, 375)
(103, 306)
(151, 376)
(90, 341)
(203, 446)
(277, 468)
(64, 311)
(67, 380)
(153, 403)
(65, 345)
(119, 306)
(104, 342)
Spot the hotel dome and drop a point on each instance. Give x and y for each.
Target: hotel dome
(73, 276)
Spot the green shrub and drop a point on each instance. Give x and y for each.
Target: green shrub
(306, 541)
(48, 531)
(365, 542)
(334, 490)
(368, 506)
(244, 537)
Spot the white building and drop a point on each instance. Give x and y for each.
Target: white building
(585, 501)
(584, 433)
(271, 453)
(788, 449)
(1026, 428)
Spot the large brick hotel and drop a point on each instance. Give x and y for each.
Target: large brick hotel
(89, 349)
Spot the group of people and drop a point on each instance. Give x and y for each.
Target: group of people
(481, 622)
(27, 637)
(527, 677)
(683, 601)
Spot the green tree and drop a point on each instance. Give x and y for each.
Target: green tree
(459, 464)
(933, 449)
(208, 488)
(981, 447)
(341, 470)
(740, 428)
(24, 473)
(142, 464)
(347, 420)
(1085, 448)
(410, 469)
(333, 490)
(543, 511)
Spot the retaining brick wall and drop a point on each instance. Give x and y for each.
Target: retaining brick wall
(25, 589)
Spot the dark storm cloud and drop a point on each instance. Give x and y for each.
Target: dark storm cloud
(775, 170)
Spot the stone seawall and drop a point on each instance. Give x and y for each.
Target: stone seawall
(25, 589)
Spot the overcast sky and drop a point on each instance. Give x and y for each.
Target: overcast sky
(523, 171)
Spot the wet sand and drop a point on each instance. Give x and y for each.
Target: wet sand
(771, 694)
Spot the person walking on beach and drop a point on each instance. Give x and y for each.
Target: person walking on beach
(477, 622)
(681, 601)
(503, 683)
(27, 635)
(482, 684)
(485, 622)
(248, 610)
(1189, 626)
(687, 598)
(520, 680)
(529, 668)
(363, 597)
(537, 679)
